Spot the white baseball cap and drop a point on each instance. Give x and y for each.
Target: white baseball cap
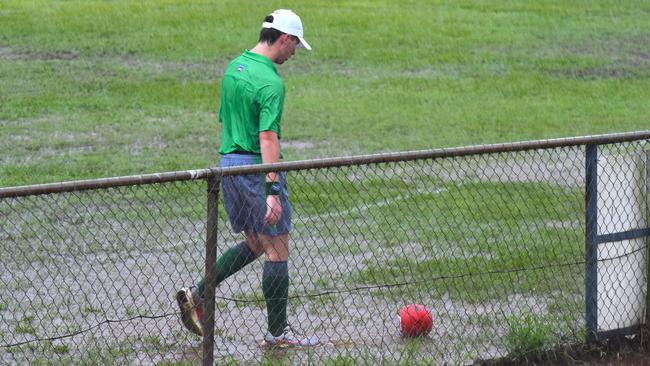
(288, 22)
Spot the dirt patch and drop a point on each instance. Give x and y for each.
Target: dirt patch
(595, 73)
(298, 144)
(9, 53)
(617, 351)
(190, 70)
(622, 58)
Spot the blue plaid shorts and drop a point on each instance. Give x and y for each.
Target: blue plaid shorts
(244, 198)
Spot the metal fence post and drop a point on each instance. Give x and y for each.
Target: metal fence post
(591, 245)
(646, 192)
(210, 264)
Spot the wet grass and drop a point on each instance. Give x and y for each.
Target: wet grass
(530, 336)
(435, 240)
(96, 89)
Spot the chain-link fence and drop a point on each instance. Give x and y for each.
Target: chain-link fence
(499, 242)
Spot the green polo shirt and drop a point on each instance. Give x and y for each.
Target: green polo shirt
(252, 98)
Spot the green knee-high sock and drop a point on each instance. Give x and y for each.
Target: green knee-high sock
(230, 262)
(275, 284)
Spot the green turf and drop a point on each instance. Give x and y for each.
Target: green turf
(94, 89)
(103, 88)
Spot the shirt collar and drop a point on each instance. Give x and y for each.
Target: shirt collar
(260, 58)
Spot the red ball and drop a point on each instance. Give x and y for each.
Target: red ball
(415, 321)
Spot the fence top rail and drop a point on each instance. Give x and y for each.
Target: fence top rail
(81, 185)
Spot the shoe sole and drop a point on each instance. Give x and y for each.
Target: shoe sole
(188, 317)
(305, 342)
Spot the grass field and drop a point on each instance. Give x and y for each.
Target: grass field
(94, 89)
(381, 236)
(493, 244)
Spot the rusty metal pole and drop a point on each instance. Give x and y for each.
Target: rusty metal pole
(210, 270)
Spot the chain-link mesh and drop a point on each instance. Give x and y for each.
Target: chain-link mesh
(87, 276)
(492, 244)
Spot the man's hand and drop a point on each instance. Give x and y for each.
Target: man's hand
(273, 210)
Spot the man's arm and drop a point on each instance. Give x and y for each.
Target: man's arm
(270, 149)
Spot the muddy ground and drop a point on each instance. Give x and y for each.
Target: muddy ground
(90, 278)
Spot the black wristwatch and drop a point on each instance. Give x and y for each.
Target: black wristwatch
(273, 188)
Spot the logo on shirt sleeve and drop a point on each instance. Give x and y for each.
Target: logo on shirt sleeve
(240, 67)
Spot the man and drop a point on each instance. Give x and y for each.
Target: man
(252, 99)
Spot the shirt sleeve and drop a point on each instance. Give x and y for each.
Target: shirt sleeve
(271, 100)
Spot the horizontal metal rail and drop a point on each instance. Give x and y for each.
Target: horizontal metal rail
(625, 235)
(82, 185)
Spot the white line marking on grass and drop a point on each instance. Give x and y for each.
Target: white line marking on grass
(369, 206)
